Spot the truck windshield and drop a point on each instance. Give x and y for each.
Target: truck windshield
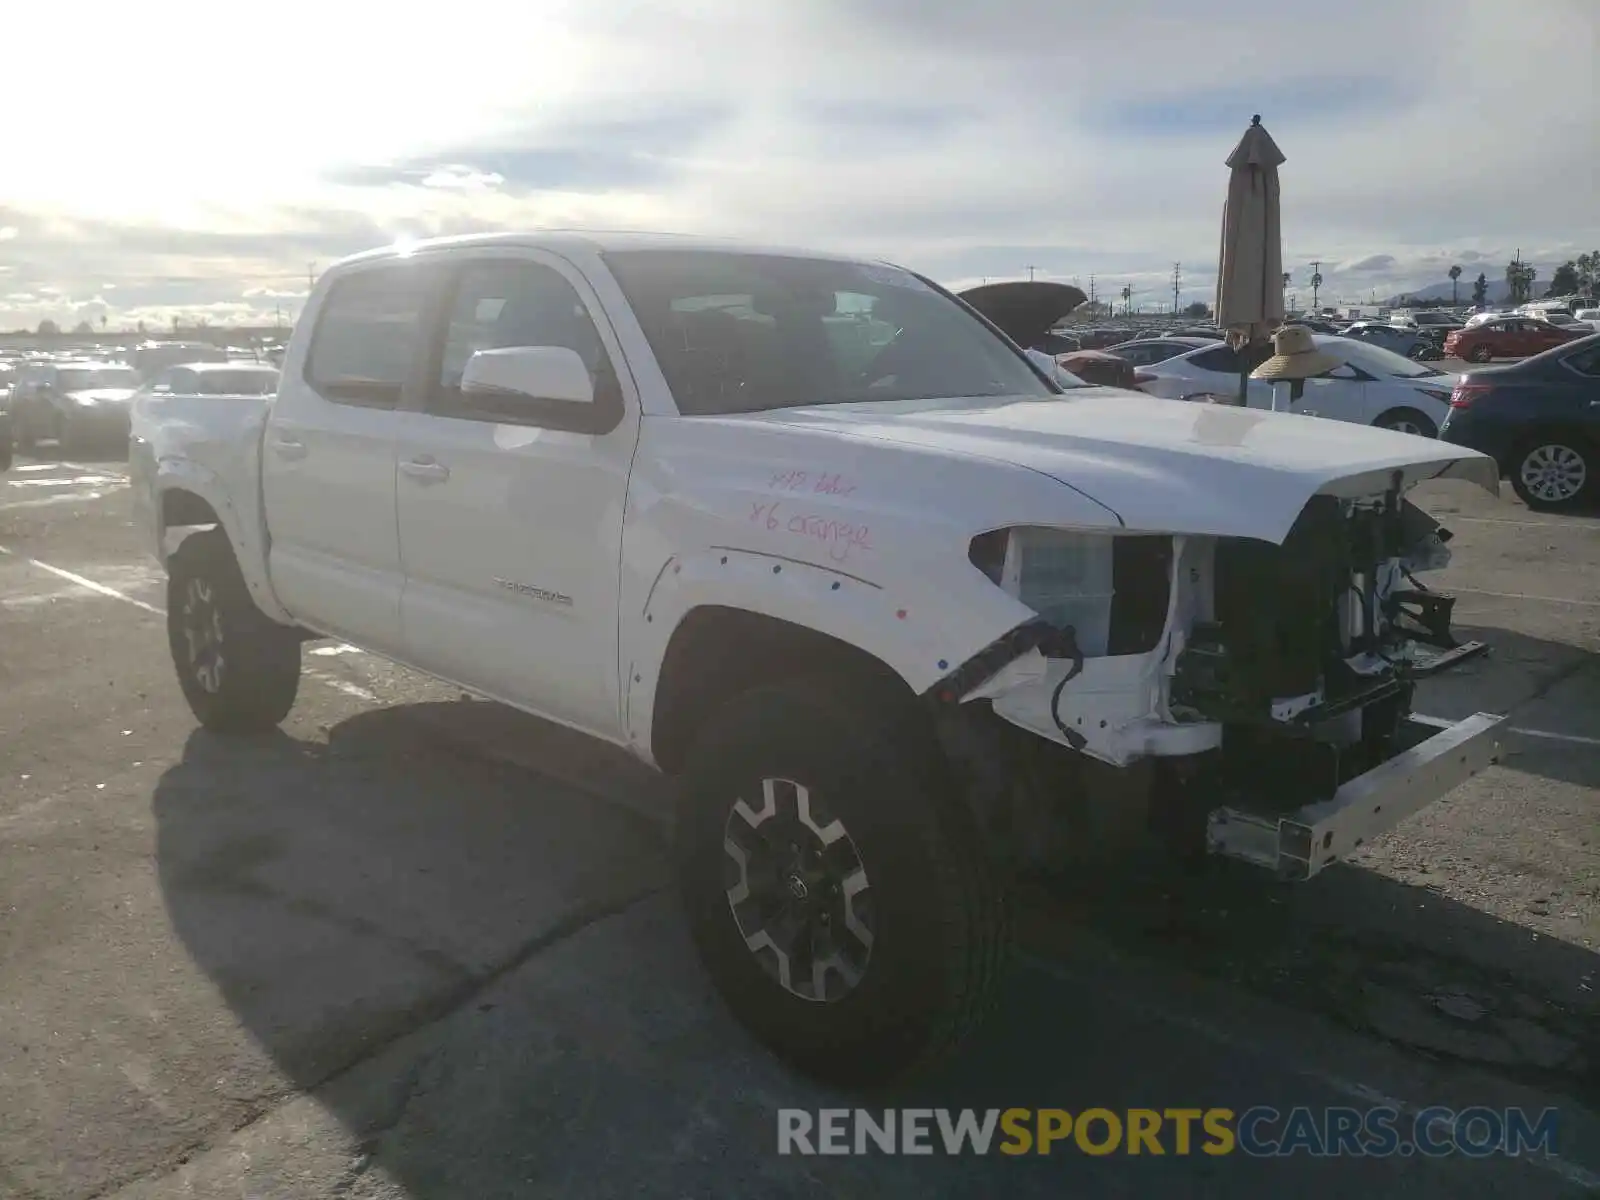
(751, 332)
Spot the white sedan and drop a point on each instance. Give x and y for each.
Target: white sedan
(1370, 386)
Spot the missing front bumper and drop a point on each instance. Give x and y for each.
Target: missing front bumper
(1301, 844)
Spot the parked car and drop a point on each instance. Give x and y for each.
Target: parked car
(1408, 343)
(212, 379)
(1370, 386)
(1589, 317)
(1144, 352)
(1424, 320)
(73, 404)
(1099, 368)
(151, 358)
(1506, 337)
(837, 585)
(1539, 419)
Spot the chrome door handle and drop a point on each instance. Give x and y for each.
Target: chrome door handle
(426, 469)
(289, 448)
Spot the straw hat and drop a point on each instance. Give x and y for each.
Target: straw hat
(1295, 356)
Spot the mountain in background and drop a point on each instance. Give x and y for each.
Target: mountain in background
(1499, 292)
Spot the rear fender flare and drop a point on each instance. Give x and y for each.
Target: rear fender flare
(249, 544)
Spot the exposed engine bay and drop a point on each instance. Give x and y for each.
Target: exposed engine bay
(1188, 674)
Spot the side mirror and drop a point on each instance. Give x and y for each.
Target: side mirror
(499, 378)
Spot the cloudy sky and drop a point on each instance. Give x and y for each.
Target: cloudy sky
(195, 159)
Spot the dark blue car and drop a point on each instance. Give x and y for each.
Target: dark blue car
(1540, 419)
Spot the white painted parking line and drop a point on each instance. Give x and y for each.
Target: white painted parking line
(1522, 596)
(334, 651)
(72, 577)
(66, 481)
(51, 501)
(333, 681)
(44, 466)
(1547, 735)
(1448, 519)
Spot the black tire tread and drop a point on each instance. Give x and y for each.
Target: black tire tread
(976, 930)
(262, 675)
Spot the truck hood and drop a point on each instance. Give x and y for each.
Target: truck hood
(1162, 466)
(1024, 311)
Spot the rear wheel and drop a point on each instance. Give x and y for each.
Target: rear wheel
(834, 891)
(1554, 473)
(1408, 420)
(239, 670)
(1480, 354)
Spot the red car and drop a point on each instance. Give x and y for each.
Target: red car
(1507, 337)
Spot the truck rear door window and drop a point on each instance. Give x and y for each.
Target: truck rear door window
(367, 335)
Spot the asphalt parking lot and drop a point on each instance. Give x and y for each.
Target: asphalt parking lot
(418, 946)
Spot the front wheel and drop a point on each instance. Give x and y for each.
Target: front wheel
(239, 670)
(1554, 473)
(1481, 354)
(834, 891)
(1408, 420)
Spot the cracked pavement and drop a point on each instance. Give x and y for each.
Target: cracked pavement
(419, 946)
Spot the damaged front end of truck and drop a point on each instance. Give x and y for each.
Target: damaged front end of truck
(1250, 698)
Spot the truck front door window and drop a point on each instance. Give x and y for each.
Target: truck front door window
(511, 303)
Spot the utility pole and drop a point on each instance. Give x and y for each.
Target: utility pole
(1091, 292)
(1030, 273)
(1316, 281)
(1177, 282)
(311, 277)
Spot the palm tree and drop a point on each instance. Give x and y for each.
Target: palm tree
(1455, 274)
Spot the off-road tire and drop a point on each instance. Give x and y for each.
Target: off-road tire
(942, 932)
(260, 671)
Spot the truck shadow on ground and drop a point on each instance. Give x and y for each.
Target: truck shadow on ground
(1398, 962)
(342, 896)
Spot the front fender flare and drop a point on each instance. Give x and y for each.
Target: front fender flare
(920, 632)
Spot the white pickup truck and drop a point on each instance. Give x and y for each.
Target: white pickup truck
(901, 612)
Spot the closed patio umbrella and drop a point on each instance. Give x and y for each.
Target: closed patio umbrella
(1250, 268)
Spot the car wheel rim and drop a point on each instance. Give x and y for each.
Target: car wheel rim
(798, 892)
(1405, 425)
(202, 630)
(1554, 473)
